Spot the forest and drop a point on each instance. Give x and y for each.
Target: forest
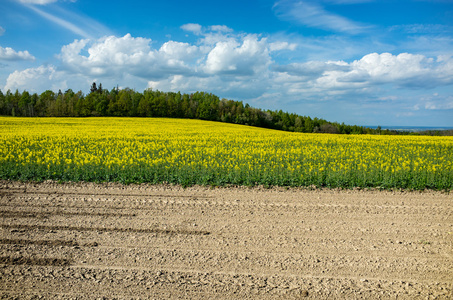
(154, 103)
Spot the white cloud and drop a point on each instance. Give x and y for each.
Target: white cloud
(277, 46)
(235, 58)
(191, 27)
(2, 30)
(31, 79)
(221, 85)
(312, 69)
(40, 2)
(238, 66)
(10, 54)
(61, 22)
(422, 28)
(403, 71)
(221, 28)
(312, 14)
(48, 77)
(347, 1)
(177, 51)
(388, 67)
(106, 56)
(439, 106)
(233, 64)
(388, 98)
(114, 56)
(436, 102)
(78, 24)
(197, 29)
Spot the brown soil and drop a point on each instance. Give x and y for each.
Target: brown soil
(88, 241)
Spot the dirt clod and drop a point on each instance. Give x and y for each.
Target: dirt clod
(108, 241)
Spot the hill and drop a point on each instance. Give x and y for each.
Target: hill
(199, 105)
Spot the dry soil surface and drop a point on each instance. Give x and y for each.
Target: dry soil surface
(88, 241)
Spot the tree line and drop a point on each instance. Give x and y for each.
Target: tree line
(154, 103)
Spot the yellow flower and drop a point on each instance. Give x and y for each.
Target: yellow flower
(222, 150)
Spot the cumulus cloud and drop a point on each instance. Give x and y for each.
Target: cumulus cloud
(48, 77)
(233, 65)
(113, 56)
(245, 58)
(191, 27)
(11, 54)
(222, 85)
(31, 79)
(222, 62)
(179, 52)
(405, 70)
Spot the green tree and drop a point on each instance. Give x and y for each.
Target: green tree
(308, 125)
(2, 104)
(44, 101)
(136, 98)
(124, 102)
(24, 104)
(299, 124)
(93, 88)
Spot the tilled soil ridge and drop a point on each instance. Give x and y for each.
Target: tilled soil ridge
(85, 241)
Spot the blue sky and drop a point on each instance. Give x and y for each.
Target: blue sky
(363, 62)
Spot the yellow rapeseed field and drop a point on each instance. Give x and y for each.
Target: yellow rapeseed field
(200, 152)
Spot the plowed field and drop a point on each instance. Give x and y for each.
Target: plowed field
(87, 241)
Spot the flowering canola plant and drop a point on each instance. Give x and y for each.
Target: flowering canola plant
(190, 152)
